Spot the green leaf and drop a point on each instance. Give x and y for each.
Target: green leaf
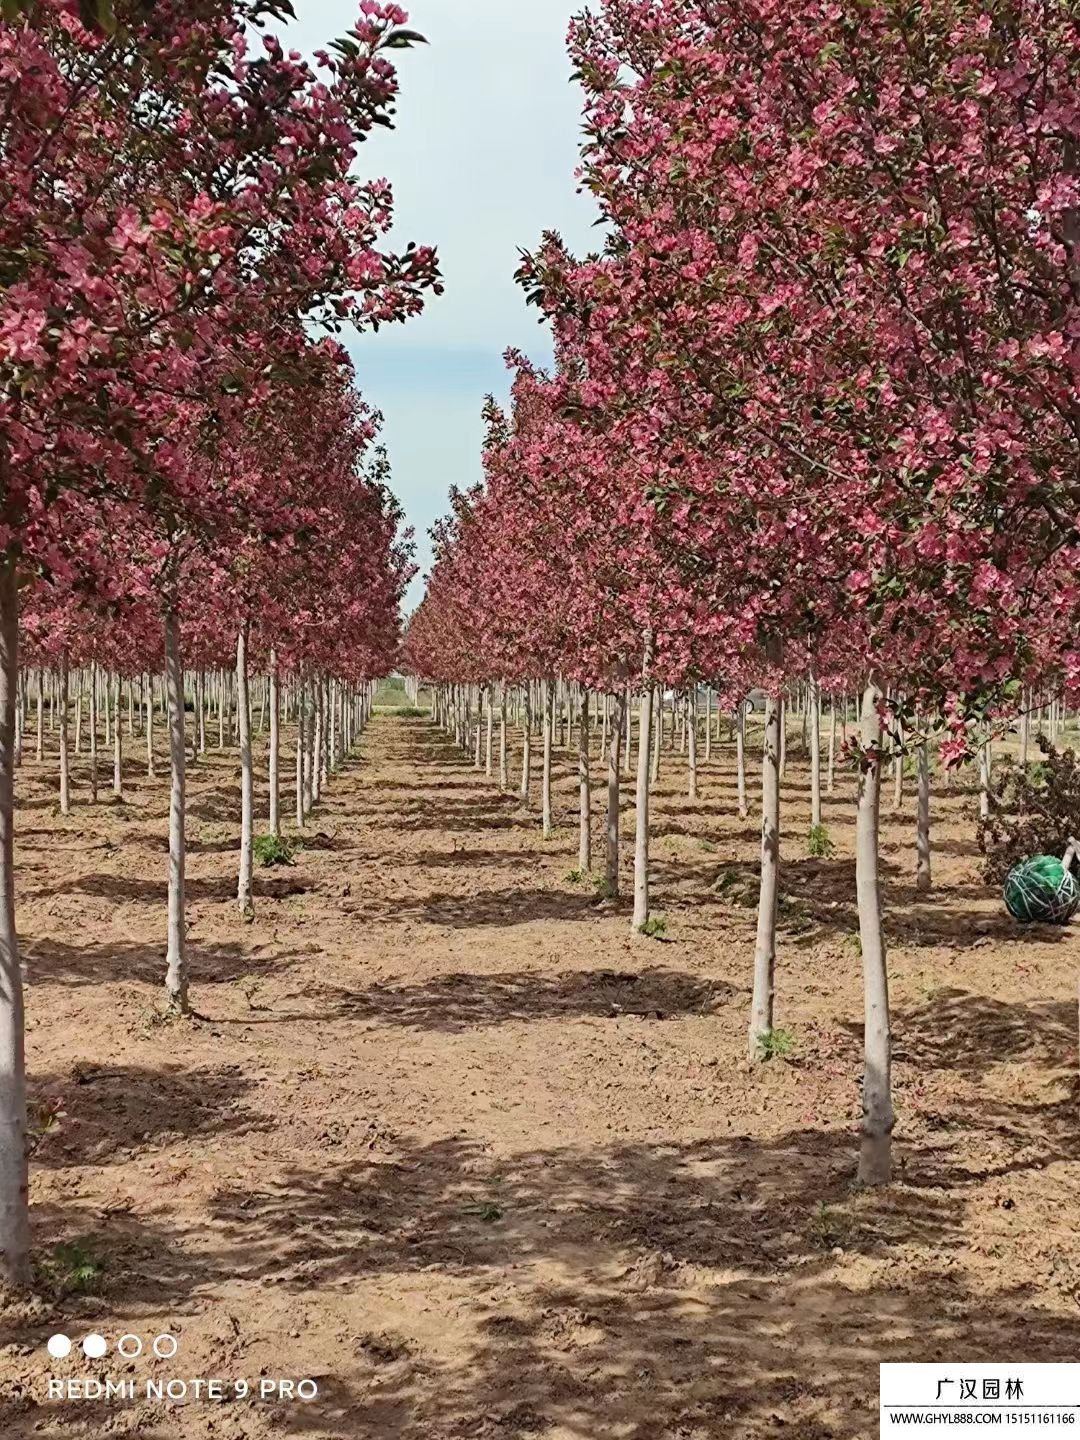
(403, 39)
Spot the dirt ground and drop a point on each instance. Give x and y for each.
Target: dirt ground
(446, 1141)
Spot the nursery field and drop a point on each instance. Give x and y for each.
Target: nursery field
(445, 1138)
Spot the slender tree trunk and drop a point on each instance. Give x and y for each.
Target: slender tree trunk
(39, 750)
(504, 773)
(549, 725)
(783, 736)
(526, 743)
(149, 725)
(875, 1159)
(761, 1007)
(14, 1201)
(1025, 729)
(657, 718)
(247, 782)
(93, 716)
(118, 750)
(275, 746)
(584, 788)
(300, 765)
(740, 759)
(628, 712)
(691, 734)
(814, 706)
(641, 823)
(708, 723)
(78, 711)
(832, 745)
(611, 867)
(176, 979)
(489, 734)
(65, 759)
(923, 880)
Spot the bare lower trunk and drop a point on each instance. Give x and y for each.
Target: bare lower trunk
(118, 749)
(830, 783)
(875, 1159)
(740, 759)
(489, 735)
(657, 721)
(814, 703)
(691, 734)
(275, 747)
(611, 867)
(14, 1212)
(708, 723)
(65, 758)
(923, 879)
(93, 716)
(149, 725)
(526, 744)
(504, 774)
(300, 765)
(761, 1006)
(584, 789)
(641, 822)
(549, 725)
(176, 980)
(247, 783)
(39, 751)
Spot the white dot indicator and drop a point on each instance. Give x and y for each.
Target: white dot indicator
(58, 1346)
(95, 1346)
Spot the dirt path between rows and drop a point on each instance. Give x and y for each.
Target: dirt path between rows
(446, 1141)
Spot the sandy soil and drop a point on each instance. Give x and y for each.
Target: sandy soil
(445, 1140)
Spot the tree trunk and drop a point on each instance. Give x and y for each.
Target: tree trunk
(65, 759)
(176, 980)
(1025, 729)
(149, 725)
(247, 783)
(708, 723)
(504, 773)
(875, 1159)
(489, 734)
(761, 1006)
(118, 749)
(93, 717)
(275, 746)
(923, 879)
(39, 750)
(691, 734)
(14, 1201)
(783, 735)
(656, 717)
(832, 746)
(584, 789)
(611, 868)
(549, 725)
(641, 822)
(740, 759)
(300, 766)
(526, 743)
(814, 706)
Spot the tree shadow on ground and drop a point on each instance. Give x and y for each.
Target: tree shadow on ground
(219, 890)
(113, 1111)
(631, 1290)
(457, 1002)
(56, 962)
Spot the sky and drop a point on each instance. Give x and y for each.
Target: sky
(481, 161)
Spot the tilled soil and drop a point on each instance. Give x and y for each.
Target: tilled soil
(446, 1141)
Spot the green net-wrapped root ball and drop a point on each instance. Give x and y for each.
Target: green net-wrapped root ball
(1042, 890)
